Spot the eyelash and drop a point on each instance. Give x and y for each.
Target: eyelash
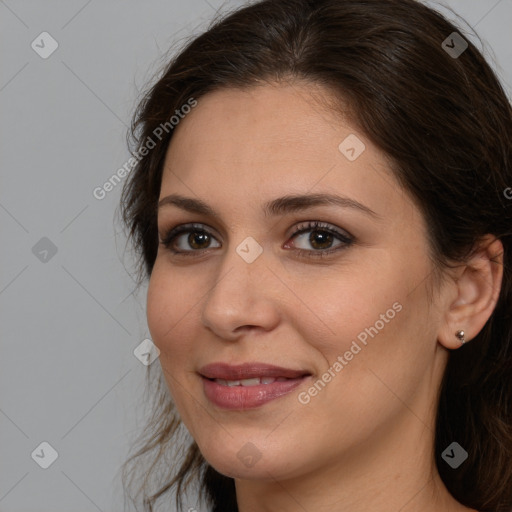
(304, 227)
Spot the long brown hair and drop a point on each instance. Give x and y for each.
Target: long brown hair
(445, 123)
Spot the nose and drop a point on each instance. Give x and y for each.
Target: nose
(244, 296)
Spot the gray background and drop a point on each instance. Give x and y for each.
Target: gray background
(70, 323)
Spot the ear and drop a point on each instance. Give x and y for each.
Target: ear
(475, 293)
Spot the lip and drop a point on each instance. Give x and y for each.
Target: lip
(248, 371)
(248, 397)
(242, 397)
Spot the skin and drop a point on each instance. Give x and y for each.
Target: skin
(365, 441)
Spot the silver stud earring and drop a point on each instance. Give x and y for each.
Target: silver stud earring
(460, 335)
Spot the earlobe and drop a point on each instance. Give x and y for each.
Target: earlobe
(477, 293)
(461, 336)
(454, 340)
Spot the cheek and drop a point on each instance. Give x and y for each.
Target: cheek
(173, 302)
(369, 318)
(380, 335)
(169, 316)
(342, 306)
(158, 309)
(166, 305)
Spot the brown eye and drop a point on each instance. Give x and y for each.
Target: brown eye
(197, 239)
(316, 239)
(320, 239)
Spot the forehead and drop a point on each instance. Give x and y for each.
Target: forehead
(256, 120)
(249, 144)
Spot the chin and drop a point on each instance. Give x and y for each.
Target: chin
(250, 462)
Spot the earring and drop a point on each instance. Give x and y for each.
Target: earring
(460, 335)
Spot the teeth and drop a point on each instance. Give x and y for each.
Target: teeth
(250, 382)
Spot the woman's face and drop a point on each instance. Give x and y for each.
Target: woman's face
(353, 327)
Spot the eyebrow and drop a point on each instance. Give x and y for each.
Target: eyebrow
(279, 206)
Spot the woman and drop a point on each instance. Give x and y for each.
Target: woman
(320, 204)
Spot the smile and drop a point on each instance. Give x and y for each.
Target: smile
(248, 393)
(251, 382)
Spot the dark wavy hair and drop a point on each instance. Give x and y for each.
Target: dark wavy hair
(445, 123)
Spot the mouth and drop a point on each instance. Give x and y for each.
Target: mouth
(249, 371)
(248, 385)
(256, 381)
